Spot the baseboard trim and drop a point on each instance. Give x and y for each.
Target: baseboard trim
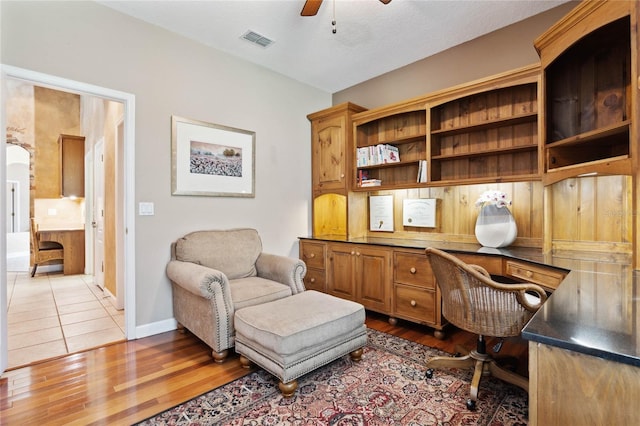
(158, 327)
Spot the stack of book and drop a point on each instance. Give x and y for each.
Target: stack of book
(377, 154)
(370, 182)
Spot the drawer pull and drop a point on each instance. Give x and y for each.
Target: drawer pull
(352, 253)
(312, 280)
(412, 270)
(414, 303)
(529, 274)
(312, 255)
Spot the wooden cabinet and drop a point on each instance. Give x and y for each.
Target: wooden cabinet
(331, 161)
(486, 132)
(331, 166)
(399, 281)
(590, 91)
(71, 165)
(591, 390)
(360, 273)
(416, 294)
(403, 129)
(314, 255)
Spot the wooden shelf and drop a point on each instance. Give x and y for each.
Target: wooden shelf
(467, 145)
(495, 151)
(388, 165)
(588, 94)
(531, 117)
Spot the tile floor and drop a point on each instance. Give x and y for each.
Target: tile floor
(54, 314)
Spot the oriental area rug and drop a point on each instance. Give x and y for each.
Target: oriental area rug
(387, 387)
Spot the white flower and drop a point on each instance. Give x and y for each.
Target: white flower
(493, 197)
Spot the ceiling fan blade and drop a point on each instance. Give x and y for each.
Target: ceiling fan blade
(386, 1)
(310, 7)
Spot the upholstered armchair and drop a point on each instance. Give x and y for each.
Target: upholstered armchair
(214, 273)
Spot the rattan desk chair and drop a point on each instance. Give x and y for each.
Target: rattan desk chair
(473, 301)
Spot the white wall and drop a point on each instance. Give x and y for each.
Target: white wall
(168, 74)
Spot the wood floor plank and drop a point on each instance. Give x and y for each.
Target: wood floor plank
(129, 381)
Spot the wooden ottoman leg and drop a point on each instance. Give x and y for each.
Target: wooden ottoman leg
(288, 389)
(246, 362)
(357, 354)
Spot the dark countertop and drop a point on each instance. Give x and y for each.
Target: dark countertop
(594, 311)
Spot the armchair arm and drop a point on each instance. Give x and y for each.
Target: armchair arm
(201, 281)
(285, 270)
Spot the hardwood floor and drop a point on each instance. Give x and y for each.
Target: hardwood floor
(130, 381)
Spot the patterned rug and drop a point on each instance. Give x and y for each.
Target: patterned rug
(387, 387)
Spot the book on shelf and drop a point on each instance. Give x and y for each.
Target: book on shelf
(422, 171)
(370, 182)
(377, 154)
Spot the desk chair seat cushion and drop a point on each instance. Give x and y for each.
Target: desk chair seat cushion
(49, 245)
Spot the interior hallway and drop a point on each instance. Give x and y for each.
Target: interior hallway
(54, 314)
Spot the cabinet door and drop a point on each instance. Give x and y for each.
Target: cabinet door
(71, 165)
(373, 283)
(341, 271)
(328, 147)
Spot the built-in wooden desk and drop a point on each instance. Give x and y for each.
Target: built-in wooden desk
(72, 241)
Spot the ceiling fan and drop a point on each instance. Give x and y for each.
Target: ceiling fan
(311, 7)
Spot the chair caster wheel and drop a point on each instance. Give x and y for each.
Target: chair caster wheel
(429, 373)
(471, 405)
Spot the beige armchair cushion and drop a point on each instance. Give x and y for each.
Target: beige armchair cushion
(234, 252)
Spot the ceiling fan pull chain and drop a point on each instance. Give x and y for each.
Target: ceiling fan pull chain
(333, 22)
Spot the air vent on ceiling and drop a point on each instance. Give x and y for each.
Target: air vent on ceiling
(256, 38)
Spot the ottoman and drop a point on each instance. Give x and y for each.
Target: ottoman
(293, 336)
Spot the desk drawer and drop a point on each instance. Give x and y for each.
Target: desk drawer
(542, 276)
(313, 254)
(415, 303)
(414, 269)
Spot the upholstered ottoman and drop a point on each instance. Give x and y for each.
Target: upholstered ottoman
(293, 336)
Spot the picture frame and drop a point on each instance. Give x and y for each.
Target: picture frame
(211, 160)
(381, 213)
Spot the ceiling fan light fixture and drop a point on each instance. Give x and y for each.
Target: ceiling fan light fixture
(256, 38)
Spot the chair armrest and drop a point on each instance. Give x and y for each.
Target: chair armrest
(200, 280)
(481, 270)
(283, 269)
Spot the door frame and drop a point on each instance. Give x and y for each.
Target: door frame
(125, 231)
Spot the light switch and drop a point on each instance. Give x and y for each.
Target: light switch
(145, 209)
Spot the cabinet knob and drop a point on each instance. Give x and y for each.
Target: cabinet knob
(529, 274)
(312, 255)
(357, 253)
(312, 280)
(412, 270)
(414, 303)
(352, 253)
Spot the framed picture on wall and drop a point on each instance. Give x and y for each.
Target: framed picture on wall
(211, 160)
(381, 213)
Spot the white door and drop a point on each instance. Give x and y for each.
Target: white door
(98, 214)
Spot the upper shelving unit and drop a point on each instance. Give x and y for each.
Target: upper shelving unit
(404, 130)
(486, 137)
(588, 93)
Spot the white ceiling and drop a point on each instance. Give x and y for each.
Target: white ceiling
(371, 38)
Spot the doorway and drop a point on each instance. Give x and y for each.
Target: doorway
(125, 229)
